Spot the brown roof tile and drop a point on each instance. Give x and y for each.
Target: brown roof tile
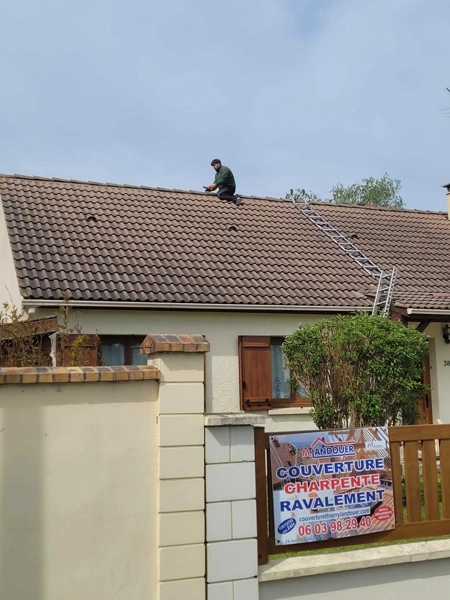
(138, 244)
(417, 242)
(155, 245)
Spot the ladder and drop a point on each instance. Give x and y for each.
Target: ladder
(386, 279)
(385, 289)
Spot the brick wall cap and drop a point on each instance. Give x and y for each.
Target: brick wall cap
(156, 343)
(26, 375)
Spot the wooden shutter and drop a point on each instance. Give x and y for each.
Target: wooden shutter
(256, 383)
(89, 355)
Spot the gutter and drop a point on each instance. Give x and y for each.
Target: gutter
(429, 311)
(192, 306)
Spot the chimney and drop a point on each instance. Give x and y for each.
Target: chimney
(447, 187)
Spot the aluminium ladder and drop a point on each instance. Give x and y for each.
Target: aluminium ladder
(386, 279)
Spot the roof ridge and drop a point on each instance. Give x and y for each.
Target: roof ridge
(126, 185)
(180, 191)
(376, 207)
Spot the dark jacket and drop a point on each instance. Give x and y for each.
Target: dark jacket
(224, 178)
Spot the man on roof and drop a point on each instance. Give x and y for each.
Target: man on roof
(224, 182)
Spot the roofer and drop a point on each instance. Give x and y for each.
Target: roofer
(224, 181)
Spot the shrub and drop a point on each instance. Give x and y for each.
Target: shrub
(360, 370)
(26, 343)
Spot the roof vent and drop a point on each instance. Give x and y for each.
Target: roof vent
(232, 228)
(91, 219)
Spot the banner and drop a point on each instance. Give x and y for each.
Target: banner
(331, 484)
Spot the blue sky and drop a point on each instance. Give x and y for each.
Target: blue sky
(288, 93)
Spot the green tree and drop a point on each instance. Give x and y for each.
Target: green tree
(360, 370)
(384, 191)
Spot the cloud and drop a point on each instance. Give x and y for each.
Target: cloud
(287, 92)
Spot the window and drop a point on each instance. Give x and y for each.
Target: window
(121, 350)
(105, 350)
(264, 378)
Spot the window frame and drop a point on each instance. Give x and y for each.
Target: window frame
(127, 340)
(269, 403)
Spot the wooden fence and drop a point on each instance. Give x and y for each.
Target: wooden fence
(422, 505)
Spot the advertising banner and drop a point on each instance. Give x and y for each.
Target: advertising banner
(331, 484)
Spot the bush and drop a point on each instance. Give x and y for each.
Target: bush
(22, 343)
(360, 370)
(26, 343)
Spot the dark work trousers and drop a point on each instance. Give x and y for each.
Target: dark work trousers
(227, 193)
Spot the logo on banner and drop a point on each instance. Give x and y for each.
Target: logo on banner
(320, 448)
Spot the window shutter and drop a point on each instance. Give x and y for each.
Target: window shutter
(256, 381)
(88, 355)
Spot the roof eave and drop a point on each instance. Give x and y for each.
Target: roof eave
(30, 303)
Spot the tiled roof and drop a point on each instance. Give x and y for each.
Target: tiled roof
(133, 244)
(417, 242)
(109, 242)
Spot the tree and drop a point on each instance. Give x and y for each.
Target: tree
(360, 370)
(381, 192)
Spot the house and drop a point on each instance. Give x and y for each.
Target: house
(133, 260)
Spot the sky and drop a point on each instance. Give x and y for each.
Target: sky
(287, 93)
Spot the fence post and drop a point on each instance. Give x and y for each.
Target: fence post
(261, 495)
(181, 464)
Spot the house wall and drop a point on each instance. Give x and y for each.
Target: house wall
(9, 288)
(222, 331)
(78, 490)
(440, 373)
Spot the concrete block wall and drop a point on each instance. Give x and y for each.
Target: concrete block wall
(231, 547)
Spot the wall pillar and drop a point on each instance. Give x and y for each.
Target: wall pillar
(181, 464)
(232, 553)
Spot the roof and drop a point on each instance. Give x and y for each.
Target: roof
(417, 242)
(117, 243)
(106, 242)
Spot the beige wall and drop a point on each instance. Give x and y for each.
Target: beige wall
(222, 331)
(9, 288)
(222, 373)
(440, 373)
(414, 581)
(78, 491)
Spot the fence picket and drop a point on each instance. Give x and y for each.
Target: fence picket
(412, 483)
(397, 481)
(444, 455)
(430, 480)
